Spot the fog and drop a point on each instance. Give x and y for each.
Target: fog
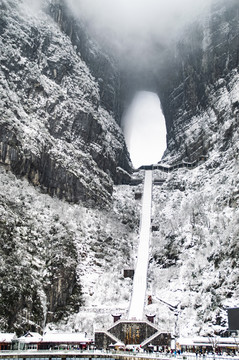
(136, 23)
(32, 7)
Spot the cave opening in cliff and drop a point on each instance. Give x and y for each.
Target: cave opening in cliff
(144, 129)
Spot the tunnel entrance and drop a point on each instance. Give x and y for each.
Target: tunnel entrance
(144, 128)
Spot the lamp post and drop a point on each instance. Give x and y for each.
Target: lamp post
(236, 339)
(176, 309)
(214, 342)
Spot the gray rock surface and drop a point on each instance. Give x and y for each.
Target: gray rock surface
(199, 68)
(54, 130)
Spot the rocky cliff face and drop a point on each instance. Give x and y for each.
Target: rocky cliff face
(102, 64)
(55, 127)
(58, 132)
(198, 85)
(195, 211)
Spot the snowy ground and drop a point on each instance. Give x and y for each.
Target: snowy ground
(105, 244)
(193, 255)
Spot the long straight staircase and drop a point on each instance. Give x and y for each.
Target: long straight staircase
(136, 308)
(135, 331)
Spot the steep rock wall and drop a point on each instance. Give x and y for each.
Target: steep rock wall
(54, 130)
(102, 64)
(56, 133)
(198, 83)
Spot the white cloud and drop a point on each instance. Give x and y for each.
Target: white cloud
(32, 6)
(159, 18)
(138, 31)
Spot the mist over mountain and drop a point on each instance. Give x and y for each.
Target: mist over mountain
(137, 31)
(69, 217)
(132, 24)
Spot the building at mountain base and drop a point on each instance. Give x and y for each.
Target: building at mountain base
(141, 334)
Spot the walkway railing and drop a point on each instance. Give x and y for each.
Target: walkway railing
(168, 168)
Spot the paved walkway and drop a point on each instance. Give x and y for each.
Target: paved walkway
(103, 355)
(136, 309)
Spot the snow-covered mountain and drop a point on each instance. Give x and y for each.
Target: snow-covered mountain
(54, 130)
(58, 133)
(69, 222)
(199, 84)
